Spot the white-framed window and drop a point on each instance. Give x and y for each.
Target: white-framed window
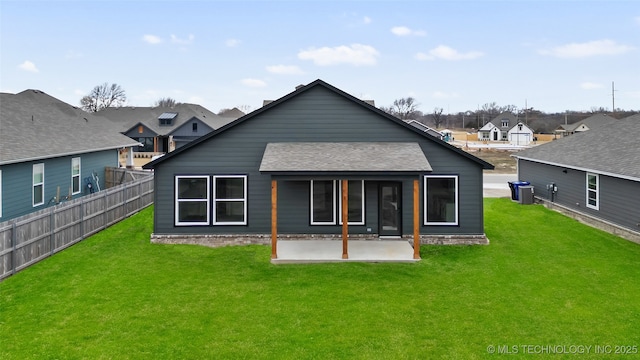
(323, 202)
(230, 200)
(192, 200)
(38, 184)
(75, 175)
(593, 191)
(355, 202)
(441, 200)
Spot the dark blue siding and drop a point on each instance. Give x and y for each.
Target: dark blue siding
(17, 180)
(619, 198)
(317, 115)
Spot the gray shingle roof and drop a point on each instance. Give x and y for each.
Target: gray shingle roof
(127, 117)
(613, 150)
(345, 156)
(592, 122)
(34, 125)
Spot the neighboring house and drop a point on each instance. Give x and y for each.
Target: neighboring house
(506, 127)
(51, 151)
(590, 123)
(295, 155)
(595, 173)
(425, 128)
(164, 129)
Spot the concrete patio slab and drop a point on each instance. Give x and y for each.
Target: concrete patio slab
(316, 251)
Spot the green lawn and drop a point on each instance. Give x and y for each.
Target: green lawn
(545, 280)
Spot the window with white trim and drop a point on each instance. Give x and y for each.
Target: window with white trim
(593, 187)
(75, 175)
(355, 202)
(230, 200)
(440, 200)
(38, 184)
(192, 200)
(323, 202)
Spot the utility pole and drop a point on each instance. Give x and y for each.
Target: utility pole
(613, 99)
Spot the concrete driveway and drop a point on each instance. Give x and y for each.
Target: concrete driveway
(496, 185)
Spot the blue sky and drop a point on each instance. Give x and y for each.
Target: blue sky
(457, 55)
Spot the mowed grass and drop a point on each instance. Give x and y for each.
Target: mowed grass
(544, 280)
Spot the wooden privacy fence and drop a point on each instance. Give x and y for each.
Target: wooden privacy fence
(28, 239)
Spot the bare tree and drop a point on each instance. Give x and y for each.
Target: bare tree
(405, 108)
(166, 102)
(103, 96)
(438, 118)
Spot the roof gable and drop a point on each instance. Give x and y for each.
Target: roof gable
(38, 126)
(317, 84)
(162, 120)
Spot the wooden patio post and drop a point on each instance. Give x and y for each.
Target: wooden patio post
(416, 219)
(345, 219)
(274, 219)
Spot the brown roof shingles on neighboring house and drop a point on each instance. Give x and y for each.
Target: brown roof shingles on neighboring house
(34, 125)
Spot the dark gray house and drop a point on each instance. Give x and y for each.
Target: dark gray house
(50, 150)
(593, 176)
(318, 162)
(164, 129)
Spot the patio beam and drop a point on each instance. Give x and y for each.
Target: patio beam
(416, 219)
(345, 219)
(274, 219)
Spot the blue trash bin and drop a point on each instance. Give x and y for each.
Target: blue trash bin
(515, 188)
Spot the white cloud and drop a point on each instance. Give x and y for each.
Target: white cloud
(637, 19)
(177, 40)
(285, 70)
(446, 53)
(592, 48)
(366, 20)
(151, 39)
(232, 42)
(355, 54)
(590, 86)
(444, 95)
(254, 83)
(28, 66)
(405, 31)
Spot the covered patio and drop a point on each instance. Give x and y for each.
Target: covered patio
(343, 161)
(330, 250)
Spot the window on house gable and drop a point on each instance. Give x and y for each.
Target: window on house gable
(593, 187)
(323, 202)
(192, 200)
(194, 127)
(230, 200)
(505, 123)
(440, 200)
(75, 175)
(166, 119)
(38, 184)
(355, 202)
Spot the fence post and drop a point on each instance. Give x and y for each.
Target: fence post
(14, 240)
(52, 229)
(81, 219)
(106, 211)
